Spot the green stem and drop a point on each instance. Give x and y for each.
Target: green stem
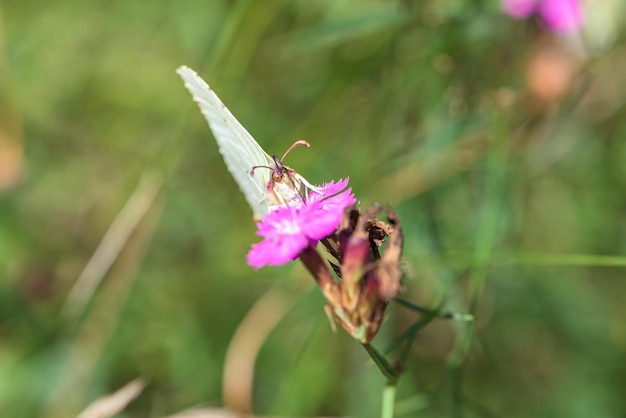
(382, 363)
(392, 374)
(389, 400)
(434, 312)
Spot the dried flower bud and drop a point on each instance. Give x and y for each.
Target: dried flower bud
(367, 280)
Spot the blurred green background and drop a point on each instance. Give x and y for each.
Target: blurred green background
(123, 237)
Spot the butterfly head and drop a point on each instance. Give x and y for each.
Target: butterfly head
(285, 187)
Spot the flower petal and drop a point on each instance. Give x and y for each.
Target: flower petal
(519, 9)
(276, 251)
(318, 223)
(562, 15)
(288, 230)
(328, 190)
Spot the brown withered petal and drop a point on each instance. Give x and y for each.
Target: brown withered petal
(388, 267)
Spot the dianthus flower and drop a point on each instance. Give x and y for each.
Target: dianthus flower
(559, 16)
(288, 230)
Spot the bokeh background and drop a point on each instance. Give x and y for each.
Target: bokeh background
(501, 145)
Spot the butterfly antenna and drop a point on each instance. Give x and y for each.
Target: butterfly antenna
(295, 144)
(272, 169)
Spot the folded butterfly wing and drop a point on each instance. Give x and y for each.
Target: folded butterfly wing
(240, 151)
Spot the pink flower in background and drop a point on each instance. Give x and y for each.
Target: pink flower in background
(288, 230)
(560, 16)
(519, 9)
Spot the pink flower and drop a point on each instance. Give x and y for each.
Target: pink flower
(562, 15)
(519, 9)
(559, 16)
(288, 230)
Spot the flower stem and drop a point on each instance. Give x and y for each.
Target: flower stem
(391, 373)
(434, 312)
(382, 363)
(389, 400)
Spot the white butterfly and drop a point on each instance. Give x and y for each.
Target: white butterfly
(264, 180)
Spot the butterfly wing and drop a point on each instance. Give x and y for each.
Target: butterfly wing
(240, 151)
